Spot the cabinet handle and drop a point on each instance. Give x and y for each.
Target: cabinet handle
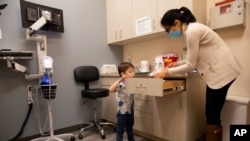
(154, 25)
(140, 86)
(116, 35)
(120, 34)
(180, 102)
(141, 89)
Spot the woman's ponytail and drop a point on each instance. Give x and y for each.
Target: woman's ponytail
(183, 14)
(187, 15)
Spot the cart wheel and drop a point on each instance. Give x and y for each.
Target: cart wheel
(80, 136)
(72, 138)
(103, 137)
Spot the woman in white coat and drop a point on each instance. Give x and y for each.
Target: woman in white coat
(214, 61)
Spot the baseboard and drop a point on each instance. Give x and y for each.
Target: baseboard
(148, 136)
(202, 138)
(56, 132)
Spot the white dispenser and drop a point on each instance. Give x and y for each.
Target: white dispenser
(228, 14)
(144, 66)
(235, 111)
(159, 64)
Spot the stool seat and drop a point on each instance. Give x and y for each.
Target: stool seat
(95, 93)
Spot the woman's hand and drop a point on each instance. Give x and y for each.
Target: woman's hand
(174, 64)
(161, 74)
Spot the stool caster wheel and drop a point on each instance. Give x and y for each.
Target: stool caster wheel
(72, 138)
(103, 137)
(80, 136)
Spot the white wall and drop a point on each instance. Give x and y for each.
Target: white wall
(83, 43)
(238, 39)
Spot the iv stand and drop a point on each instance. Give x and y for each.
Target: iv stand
(41, 52)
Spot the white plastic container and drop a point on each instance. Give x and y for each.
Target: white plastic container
(235, 111)
(144, 66)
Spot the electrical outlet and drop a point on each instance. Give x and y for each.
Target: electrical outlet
(29, 87)
(128, 59)
(1, 33)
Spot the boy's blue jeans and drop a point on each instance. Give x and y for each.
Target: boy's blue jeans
(125, 121)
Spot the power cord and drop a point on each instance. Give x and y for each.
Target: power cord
(23, 125)
(37, 112)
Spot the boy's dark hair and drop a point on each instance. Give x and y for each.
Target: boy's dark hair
(183, 14)
(124, 66)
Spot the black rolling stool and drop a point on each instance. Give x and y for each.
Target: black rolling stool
(86, 74)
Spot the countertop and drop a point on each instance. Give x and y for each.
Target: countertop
(193, 73)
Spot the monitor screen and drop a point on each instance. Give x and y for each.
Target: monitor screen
(31, 12)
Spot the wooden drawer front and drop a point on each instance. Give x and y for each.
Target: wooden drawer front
(107, 81)
(154, 87)
(143, 122)
(143, 106)
(143, 97)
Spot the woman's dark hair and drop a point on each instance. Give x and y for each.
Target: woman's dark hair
(183, 14)
(124, 66)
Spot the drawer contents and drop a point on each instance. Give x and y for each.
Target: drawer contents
(174, 84)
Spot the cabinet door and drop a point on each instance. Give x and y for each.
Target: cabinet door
(169, 116)
(165, 5)
(109, 107)
(142, 9)
(119, 20)
(109, 104)
(112, 11)
(143, 122)
(126, 20)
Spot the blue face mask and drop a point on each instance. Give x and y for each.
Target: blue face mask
(175, 34)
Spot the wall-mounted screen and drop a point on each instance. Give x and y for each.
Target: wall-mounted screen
(31, 12)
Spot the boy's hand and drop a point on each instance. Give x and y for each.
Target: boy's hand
(125, 76)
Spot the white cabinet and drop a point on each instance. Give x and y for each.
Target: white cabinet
(119, 20)
(175, 116)
(163, 114)
(165, 5)
(146, 10)
(155, 9)
(123, 17)
(143, 107)
(169, 116)
(109, 103)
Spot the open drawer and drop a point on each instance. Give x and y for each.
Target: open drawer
(154, 87)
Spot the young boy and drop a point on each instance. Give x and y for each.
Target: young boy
(125, 102)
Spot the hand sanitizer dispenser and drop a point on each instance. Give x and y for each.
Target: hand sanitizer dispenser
(228, 14)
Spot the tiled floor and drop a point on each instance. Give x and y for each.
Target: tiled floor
(94, 135)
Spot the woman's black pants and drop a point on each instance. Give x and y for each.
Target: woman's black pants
(215, 99)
